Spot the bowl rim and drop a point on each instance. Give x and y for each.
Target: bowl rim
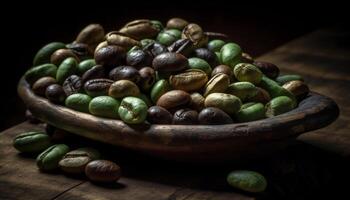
(313, 112)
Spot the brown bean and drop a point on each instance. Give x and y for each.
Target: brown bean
(185, 117)
(110, 56)
(39, 87)
(72, 85)
(102, 171)
(174, 98)
(170, 62)
(159, 115)
(97, 87)
(214, 116)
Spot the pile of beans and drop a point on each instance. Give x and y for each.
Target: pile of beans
(173, 74)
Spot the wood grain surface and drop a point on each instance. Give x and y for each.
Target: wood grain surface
(308, 170)
(323, 59)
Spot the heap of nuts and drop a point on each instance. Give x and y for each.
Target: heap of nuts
(148, 73)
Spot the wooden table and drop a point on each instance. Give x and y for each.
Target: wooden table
(314, 166)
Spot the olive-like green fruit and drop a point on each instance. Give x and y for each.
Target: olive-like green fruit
(279, 105)
(133, 110)
(48, 160)
(104, 106)
(286, 78)
(251, 112)
(32, 142)
(157, 24)
(144, 43)
(159, 88)
(275, 90)
(247, 72)
(218, 56)
(242, 90)
(67, 68)
(123, 88)
(146, 99)
(190, 80)
(230, 54)
(215, 45)
(198, 63)
(44, 54)
(79, 102)
(33, 74)
(249, 181)
(226, 102)
(169, 36)
(85, 65)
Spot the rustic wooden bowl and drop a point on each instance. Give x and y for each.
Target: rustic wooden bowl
(190, 142)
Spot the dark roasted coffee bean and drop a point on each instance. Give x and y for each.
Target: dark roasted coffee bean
(72, 85)
(81, 50)
(95, 72)
(185, 117)
(139, 58)
(213, 116)
(125, 73)
(97, 87)
(102, 171)
(110, 56)
(269, 69)
(206, 55)
(55, 94)
(39, 87)
(170, 62)
(155, 48)
(183, 46)
(159, 115)
(148, 78)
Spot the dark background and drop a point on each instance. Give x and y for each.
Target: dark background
(258, 28)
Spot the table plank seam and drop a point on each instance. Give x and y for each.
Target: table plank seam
(67, 190)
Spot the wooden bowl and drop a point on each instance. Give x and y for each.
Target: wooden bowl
(207, 143)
